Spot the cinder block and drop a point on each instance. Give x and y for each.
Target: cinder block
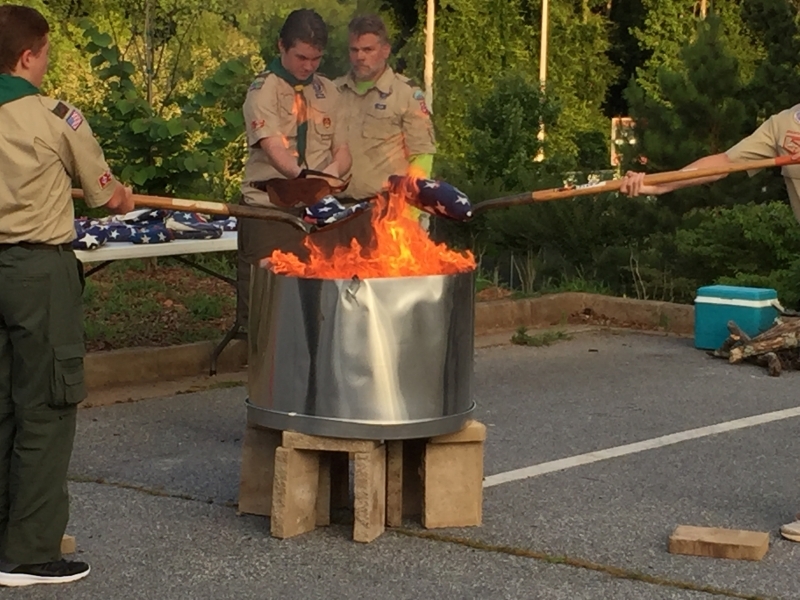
(68, 545)
(370, 494)
(294, 495)
(473, 431)
(453, 485)
(719, 543)
(257, 470)
(394, 483)
(301, 441)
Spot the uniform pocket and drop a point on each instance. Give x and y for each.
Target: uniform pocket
(379, 127)
(69, 385)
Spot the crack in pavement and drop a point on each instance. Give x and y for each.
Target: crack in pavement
(564, 560)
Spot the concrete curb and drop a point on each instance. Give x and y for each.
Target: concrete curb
(136, 366)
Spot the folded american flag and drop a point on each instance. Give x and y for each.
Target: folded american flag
(148, 227)
(329, 210)
(434, 197)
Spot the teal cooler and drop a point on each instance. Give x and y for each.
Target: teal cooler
(752, 309)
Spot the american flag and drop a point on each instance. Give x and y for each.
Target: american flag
(148, 227)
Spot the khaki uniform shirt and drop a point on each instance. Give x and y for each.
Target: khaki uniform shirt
(778, 136)
(269, 110)
(385, 126)
(45, 144)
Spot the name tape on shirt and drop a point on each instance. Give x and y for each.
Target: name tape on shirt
(74, 120)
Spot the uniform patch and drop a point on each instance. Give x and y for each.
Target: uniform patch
(791, 142)
(796, 117)
(419, 95)
(257, 84)
(74, 120)
(104, 179)
(319, 91)
(257, 124)
(380, 106)
(61, 110)
(326, 122)
(383, 95)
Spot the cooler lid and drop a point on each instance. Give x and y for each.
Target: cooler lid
(734, 292)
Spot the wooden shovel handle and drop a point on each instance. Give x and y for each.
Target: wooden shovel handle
(588, 189)
(216, 208)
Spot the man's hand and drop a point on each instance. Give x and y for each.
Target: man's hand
(633, 185)
(121, 201)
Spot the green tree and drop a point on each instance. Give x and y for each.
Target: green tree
(696, 109)
(776, 82)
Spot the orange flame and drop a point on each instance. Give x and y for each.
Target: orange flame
(400, 248)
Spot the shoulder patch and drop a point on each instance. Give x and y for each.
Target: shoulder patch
(796, 117)
(74, 120)
(419, 95)
(61, 110)
(258, 82)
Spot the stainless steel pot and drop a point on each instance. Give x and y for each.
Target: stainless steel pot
(384, 358)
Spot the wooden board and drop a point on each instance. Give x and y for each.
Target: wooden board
(719, 543)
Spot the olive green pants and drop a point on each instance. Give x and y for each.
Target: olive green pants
(41, 383)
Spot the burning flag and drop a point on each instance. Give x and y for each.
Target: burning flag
(400, 248)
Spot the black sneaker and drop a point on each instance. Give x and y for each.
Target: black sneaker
(60, 571)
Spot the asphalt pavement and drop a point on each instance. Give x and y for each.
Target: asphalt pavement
(154, 485)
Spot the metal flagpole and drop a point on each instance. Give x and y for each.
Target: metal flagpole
(543, 68)
(429, 26)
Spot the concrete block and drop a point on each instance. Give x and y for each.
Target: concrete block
(294, 495)
(370, 494)
(473, 431)
(719, 543)
(453, 485)
(301, 441)
(257, 470)
(394, 483)
(68, 544)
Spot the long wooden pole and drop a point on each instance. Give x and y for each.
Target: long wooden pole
(614, 185)
(215, 208)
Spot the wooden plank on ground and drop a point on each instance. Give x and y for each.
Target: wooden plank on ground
(719, 543)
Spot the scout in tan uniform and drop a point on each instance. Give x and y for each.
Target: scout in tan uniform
(44, 145)
(292, 125)
(777, 136)
(389, 129)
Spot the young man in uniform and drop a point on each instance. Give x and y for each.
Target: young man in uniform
(44, 145)
(389, 129)
(777, 136)
(292, 125)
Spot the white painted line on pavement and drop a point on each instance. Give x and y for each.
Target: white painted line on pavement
(665, 440)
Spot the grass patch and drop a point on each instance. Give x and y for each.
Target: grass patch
(135, 303)
(546, 338)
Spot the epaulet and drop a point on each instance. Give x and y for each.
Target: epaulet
(258, 82)
(340, 81)
(407, 80)
(72, 116)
